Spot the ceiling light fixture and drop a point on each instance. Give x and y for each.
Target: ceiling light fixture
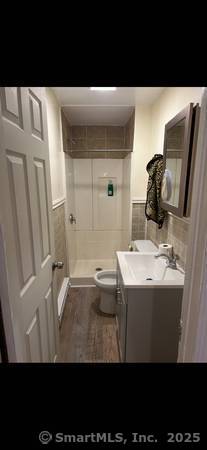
(103, 88)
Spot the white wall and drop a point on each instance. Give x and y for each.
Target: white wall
(102, 222)
(149, 131)
(70, 209)
(95, 244)
(56, 154)
(107, 213)
(83, 193)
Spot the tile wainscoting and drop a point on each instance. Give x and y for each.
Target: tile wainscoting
(60, 242)
(138, 221)
(174, 231)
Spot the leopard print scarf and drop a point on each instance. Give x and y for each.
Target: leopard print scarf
(153, 210)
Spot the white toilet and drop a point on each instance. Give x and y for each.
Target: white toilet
(106, 281)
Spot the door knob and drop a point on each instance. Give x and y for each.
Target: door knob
(57, 265)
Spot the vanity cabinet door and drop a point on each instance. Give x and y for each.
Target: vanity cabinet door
(139, 322)
(121, 311)
(153, 320)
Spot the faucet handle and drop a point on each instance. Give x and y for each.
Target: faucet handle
(175, 257)
(172, 254)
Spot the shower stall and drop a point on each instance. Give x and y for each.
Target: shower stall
(98, 223)
(98, 204)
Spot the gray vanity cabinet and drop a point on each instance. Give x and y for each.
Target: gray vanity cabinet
(148, 323)
(153, 317)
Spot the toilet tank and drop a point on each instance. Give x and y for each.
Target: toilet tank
(145, 245)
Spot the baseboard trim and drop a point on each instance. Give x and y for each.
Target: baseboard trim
(83, 285)
(78, 281)
(62, 297)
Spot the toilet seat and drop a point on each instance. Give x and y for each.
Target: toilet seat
(106, 279)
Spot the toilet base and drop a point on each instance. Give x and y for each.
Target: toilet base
(107, 303)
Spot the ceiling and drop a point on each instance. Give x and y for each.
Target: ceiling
(98, 115)
(85, 107)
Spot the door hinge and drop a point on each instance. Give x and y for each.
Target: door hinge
(180, 329)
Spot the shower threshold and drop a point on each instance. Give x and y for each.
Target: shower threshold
(85, 269)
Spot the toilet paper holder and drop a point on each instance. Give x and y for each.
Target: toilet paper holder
(166, 249)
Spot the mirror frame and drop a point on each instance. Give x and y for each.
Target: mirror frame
(192, 157)
(187, 114)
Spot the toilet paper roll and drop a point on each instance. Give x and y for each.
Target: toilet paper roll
(166, 249)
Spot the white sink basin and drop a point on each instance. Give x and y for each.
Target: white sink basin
(144, 270)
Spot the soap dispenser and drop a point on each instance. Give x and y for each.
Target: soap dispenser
(110, 188)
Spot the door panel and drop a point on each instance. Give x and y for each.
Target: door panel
(44, 335)
(50, 322)
(12, 105)
(21, 215)
(36, 115)
(33, 341)
(25, 194)
(42, 208)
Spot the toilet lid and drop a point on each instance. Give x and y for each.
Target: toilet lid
(107, 277)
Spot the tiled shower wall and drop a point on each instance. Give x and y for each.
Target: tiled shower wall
(174, 231)
(99, 218)
(98, 141)
(60, 243)
(97, 137)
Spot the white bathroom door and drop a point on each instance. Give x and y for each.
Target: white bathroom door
(26, 208)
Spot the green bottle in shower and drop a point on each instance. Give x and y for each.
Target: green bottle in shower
(110, 188)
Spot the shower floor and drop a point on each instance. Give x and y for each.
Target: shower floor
(86, 268)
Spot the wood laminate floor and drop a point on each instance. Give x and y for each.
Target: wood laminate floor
(86, 334)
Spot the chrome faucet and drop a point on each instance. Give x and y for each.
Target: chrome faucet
(171, 260)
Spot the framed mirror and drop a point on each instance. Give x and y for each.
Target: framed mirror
(177, 154)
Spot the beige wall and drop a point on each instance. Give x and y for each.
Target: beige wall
(141, 151)
(57, 160)
(170, 102)
(149, 130)
(126, 204)
(57, 171)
